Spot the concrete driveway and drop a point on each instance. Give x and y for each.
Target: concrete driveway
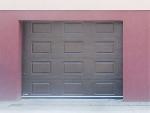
(74, 106)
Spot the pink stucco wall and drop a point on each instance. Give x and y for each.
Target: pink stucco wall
(136, 48)
(148, 48)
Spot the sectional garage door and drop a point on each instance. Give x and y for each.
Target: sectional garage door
(72, 58)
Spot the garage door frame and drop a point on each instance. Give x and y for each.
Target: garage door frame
(24, 96)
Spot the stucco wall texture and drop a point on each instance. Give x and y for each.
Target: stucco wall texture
(136, 48)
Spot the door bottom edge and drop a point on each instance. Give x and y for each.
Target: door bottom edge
(74, 97)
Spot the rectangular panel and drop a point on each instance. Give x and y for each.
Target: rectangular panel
(73, 28)
(104, 27)
(104, 47)
(104, 88)
(73, 88)
(73, 47)
(41, 27)
(73, 67)
(104, 67)
(41, 67)
(41, 47)
(40, 88)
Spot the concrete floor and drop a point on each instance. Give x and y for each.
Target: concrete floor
(74, 106)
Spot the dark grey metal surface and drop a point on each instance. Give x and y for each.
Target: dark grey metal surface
(72, 58)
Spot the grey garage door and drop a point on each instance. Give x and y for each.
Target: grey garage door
(72, 58)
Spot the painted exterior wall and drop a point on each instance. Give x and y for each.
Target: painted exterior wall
(136, 48)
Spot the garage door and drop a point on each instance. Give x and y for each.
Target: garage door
(72, 59)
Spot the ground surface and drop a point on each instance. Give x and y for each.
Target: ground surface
(73, 106)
